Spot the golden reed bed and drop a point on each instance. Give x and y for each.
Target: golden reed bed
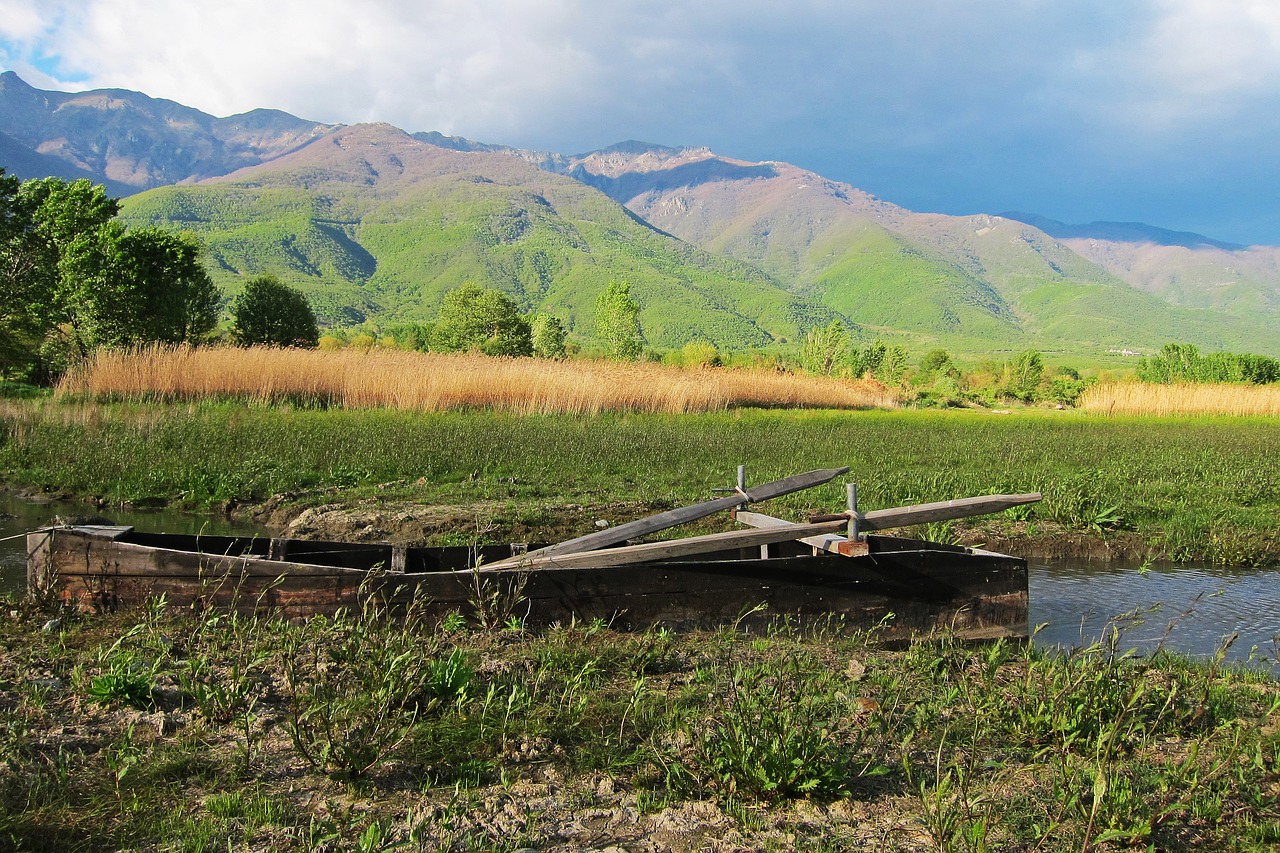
(1132, 398)
(433, 382)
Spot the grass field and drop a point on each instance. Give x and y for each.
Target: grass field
(1187, 488)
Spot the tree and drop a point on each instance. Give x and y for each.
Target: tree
(24, 294)
(618, 322)
(1024, 374)
(478, 319)
(1174, 363)
(935, 361)
(66, 261)
(126, 287)
(548, 337)
(269, 312)
(413, 337)
(824, 348)
(41, 222)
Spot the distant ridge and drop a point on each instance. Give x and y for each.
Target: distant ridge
(1121, 232)
(376, 225)
(132, 142)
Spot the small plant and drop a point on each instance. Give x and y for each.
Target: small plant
(777, 737)
(495, 600)
(1105, 518)
(359, 682)
(941, 532)
(121, 758)
(126, 681)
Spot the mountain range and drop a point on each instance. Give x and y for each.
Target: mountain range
(375, 224)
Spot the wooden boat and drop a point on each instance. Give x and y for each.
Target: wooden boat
(749, 577)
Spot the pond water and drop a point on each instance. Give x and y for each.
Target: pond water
(1191, 609)
(1185, 608)
(17, 516)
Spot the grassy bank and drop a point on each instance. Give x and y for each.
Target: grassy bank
(1186, 488)
(166, 730)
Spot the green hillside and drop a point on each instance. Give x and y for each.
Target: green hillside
(973, 284)
(380, 226)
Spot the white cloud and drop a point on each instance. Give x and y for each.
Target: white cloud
(1209, 48)
(20, 21)
(961, 96)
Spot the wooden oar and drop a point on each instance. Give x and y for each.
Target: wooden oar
(901, 516)
(680, 515)
(630, 554)
(830, 543)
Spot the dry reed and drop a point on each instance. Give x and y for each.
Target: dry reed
(1133, 398)
(436, 382)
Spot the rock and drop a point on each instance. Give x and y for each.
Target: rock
(602, 523)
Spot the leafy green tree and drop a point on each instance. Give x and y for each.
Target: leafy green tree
(869, 360)
(1024, 375)
(74, 264)
(24, 294)
(825, 348)
(618, 322)
(1174, 363)
(41, 224)
(893, 365)
(413, 337)
(127, 287)
(271, 313)
(72, 278)
(935, 361)
(700, 353)
(548, 337)
(478, 319)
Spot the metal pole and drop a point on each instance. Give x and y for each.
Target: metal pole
(851, 496)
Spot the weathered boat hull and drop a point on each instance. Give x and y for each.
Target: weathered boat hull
(905, 586)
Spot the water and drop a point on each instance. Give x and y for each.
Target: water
(17, 516)
(1185, 608)
(1189, 609)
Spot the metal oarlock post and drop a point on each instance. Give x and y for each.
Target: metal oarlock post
(851, 490)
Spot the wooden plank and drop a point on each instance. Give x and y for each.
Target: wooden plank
(681, 515)
(882, 519)
(101, 531)
(630, 554)
(828, 544)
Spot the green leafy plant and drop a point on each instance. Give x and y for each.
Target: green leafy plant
(776, 737)
(359, 682)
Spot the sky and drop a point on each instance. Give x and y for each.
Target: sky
(1158, 111)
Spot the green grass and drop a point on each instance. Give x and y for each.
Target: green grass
(1188, 488)
(503, 738)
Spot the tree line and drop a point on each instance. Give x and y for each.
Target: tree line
(480, 319)
(73, 279)
(1184, 363)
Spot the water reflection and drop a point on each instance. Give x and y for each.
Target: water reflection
(1190, 609)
